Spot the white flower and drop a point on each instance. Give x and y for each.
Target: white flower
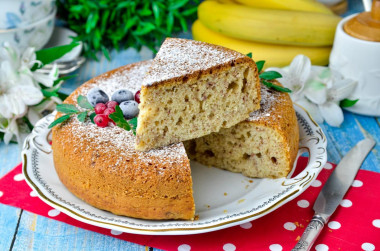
(28, 60)
(325, 89)
(295, 76)
(318, 89)
(9, 128)
(20, 91)
(17, 92)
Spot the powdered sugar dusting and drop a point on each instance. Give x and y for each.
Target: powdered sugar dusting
(178, 57)
(129, 77)
(267, 104)
(113, 139)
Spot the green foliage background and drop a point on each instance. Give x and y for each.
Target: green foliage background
(105, 24)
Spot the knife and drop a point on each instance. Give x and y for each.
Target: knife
(333, 192)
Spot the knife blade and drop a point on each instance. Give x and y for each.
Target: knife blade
(333, 192)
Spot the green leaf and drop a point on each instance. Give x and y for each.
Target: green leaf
(270, 75)
(46, 56)
(49, 94)
(64, 78)
(276, 87)
(169, 22)
(59, 120)
(348, 102)
(82, 116)
(133, 123)
(146, 12)
(178, 4)
(249, 55)
(83, 102)
(67, 108)
(119, 119)
(190, 11)
(260, 65)
(106, 53)
(92, 116)
(156, 13)
(144, 29)
(62, 96)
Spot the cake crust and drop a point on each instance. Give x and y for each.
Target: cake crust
(101, 166)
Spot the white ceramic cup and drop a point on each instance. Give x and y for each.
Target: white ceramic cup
(20, 13)
(359, 60)
(35, 34)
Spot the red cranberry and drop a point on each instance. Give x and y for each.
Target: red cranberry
(101, 120)
(137, 96)
(108, 111)
(100, 108)
(112, 104)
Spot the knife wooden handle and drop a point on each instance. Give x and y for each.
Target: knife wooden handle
(311, 233)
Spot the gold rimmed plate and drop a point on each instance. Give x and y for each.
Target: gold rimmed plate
(222, 199)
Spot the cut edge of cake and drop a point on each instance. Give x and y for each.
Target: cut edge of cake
(263, 146)
(193, 89)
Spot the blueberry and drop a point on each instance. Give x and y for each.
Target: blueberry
(96, 95)
(122, 95)
(130, 109)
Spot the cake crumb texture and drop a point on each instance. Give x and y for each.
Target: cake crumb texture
(193, 89)
(263, 146)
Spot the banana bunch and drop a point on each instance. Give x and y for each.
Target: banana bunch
(270, 29)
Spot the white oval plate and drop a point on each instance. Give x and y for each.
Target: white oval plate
(222, 199)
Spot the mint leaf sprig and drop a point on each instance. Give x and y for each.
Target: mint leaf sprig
(120, 121)
(69, 110)
(269, 75)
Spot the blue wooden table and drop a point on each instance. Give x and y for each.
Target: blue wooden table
(21, 230)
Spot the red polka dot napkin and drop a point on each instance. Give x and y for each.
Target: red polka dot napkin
(354, 226)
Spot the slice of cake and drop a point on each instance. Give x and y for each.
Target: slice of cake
(263, 146)
(193, 89)
(101, 166)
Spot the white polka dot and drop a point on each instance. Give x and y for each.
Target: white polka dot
(247, 225)
(321, 247)
(19, 177)
(334, 225)
(368, 246)
(376, 223)
(1, 193)
(290, 226)
(328, 166)
(346, 203)
(116, 232)
(357, 183)
(275, 247)
(53, 212)
(184, 247)
(316, 183)
(303, 203)
(229, 247)
(33, 194)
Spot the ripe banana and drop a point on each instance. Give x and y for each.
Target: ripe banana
(274, 55)
(300, 5)
(269, 26)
